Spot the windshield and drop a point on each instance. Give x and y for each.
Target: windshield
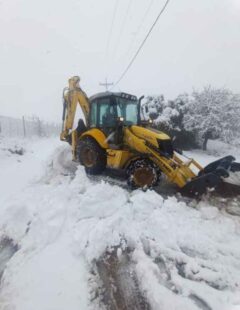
(128, 109)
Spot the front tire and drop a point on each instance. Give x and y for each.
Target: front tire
(92, 156)
(143, 174)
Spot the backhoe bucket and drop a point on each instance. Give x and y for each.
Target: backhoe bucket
(211, 177)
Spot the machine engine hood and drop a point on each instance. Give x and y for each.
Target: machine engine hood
(149, 134)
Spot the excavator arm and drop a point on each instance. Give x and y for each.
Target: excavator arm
(72, 96)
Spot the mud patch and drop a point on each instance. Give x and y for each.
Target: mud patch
(121, 289)
(7, 250)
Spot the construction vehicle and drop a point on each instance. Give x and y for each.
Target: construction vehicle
(114, 137)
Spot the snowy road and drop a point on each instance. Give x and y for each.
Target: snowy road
(82, 243)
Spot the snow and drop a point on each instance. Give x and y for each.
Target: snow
(215, 150)
(186, 257)
(16, 170)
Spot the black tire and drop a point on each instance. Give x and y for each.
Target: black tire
(91, 156)
(143, 173)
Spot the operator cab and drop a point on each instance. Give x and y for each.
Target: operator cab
(111, 111)
(107, 108)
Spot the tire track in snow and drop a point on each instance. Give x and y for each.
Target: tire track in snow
(121, 289)
(7, 250)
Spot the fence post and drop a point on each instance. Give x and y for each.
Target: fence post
(24, 127)
(39, 127)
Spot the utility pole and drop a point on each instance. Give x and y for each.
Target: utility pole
(106, 84)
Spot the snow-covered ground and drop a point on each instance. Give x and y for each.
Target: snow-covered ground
(183, 256)
(215, 149)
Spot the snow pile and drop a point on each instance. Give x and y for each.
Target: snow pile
(185, 258)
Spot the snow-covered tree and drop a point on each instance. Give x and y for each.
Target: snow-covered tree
(207, 114)
(168, 116)
(214, 113)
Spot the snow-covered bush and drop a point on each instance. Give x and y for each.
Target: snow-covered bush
(214, 113)
(168, 116)
(162, 111)
(193, 119)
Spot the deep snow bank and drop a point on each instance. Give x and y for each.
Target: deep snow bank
(185, 257)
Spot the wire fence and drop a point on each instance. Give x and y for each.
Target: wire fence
(27, 127)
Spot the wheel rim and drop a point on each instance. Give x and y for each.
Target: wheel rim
(88, 157)
(144, 176)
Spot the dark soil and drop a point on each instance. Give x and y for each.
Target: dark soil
(121, 289)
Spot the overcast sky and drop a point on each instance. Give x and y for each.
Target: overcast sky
(44, 42)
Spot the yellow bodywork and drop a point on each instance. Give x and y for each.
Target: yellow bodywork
(177, 171)
(149, 134)
(73, 96)
(138, 141)
(97, 135)
(117, 159)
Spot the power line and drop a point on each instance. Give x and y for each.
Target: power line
(142, 44)
(123, 25)
(111, 26)
(139, 27)
(145, 15)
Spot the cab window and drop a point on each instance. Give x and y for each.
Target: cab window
(93, 115)
(128, 109)
(107, 115)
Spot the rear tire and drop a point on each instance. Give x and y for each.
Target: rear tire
(91, 156)
(143, 174)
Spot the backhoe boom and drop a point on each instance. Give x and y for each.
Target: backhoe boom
(72, 96)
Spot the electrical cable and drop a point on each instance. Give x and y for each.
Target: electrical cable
(142, 44)
(111, 27)
(139, 28)
(123, 25)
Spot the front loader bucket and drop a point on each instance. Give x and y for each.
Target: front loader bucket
(211, 177)
(199, 185)
(220, 166)
(235, 167)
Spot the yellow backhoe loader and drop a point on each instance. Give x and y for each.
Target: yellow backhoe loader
(114, 136)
